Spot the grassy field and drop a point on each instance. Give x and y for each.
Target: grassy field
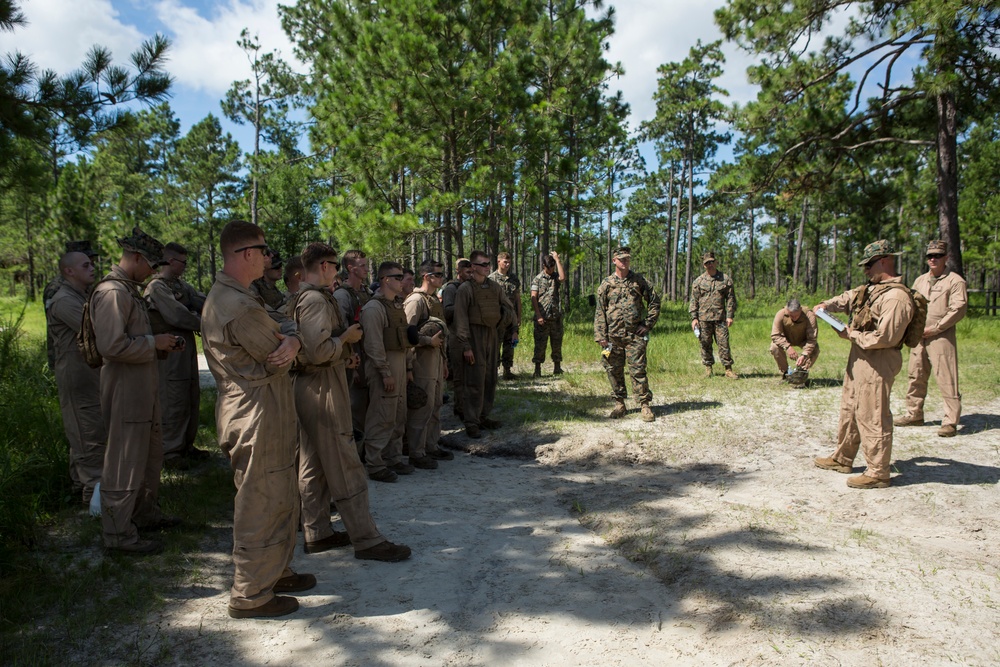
(60, 596)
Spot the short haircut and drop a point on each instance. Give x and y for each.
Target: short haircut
(385, 268)
(429, 266)
(292, 266)
(793, 305)
(175, 248)
(463, 264)
(407, 271)
(314, 254)
(238, 233)
(478, 254)
(351, 257)
(548, 262)
(505, 255)
(65, 262)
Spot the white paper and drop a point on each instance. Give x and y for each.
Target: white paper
(831, 320)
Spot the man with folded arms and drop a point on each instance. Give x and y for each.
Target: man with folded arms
(255, 418)
(329, 466)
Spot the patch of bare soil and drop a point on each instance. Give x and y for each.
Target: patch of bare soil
(707, 537)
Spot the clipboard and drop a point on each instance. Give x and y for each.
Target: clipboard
(831, 320)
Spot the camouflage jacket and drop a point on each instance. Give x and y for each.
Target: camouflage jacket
(620, 306)
(548, 294)
(713, 298)
(271, 295)
(511, 286)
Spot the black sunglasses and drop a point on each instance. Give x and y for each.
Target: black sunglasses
(481, 263)
(396, 276)
(336, 265)
(935, 256)
(267, 252)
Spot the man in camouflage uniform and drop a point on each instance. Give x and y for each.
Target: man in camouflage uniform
(548, 323)
(79, 385)
(880, 311)
(794, 326)
(53, 286)
(456, 365)
(267, 285)
(622, 331)
(713, 306)
(511, 285)
(947, 301)
(175, 307)
(293, 278)
(352, 295)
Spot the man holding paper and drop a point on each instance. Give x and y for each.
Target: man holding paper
(880, 311)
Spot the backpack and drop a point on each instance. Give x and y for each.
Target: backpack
(861, 316)
(915, 329)
(86, 339)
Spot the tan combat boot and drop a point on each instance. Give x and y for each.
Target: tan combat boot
(731, 374)
(619, 410)
(647, 413)
(708, 371)
(909, 420)
(947, 431)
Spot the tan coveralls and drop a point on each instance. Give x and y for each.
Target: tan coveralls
(423, 425)
(385, 422)
(947, 301)
(180, 392)
(786, 333)
(456, 364)
(79, 390)
(329, 466)
(478, 332)
(255, 416)
(130, 405)
(872, 365)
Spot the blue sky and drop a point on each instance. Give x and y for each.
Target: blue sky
(204, 58)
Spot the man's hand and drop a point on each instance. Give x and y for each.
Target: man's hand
(513, 338)
(540, 320)
(641, 330)
(602, 343)
(168, 342)
(470, 358)
(792, 353)
(287, 349)
(927, 332)
(437, 340)
(801, 360)
(353, 361)
(820, 306)
(694, 324)
(389, 384)
(729, 322)
(352, 334)
(845, 334)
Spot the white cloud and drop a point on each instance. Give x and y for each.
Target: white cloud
(649, 33)
(60, 33)
(204, 54)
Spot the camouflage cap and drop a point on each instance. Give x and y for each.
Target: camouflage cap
(82, 246)
(144, 244)
(708, 257)
(937, 248)
(432, 327)
(276, 261)
(880, 248)
(622, 252)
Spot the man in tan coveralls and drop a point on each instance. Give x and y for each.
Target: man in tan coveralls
(79, 384)
(479, 309)
(794, 326)
(947, 301)
(456, 365)
(880, 311)
(329, 466)
(255, 416)
(130, 404)
(175, 307)
(384, 323)
(423, 425)
(352, 295)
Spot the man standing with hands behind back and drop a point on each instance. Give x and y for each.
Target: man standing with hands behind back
(255, 416)
(947, 300)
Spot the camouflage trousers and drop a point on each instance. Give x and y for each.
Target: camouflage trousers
(720, 332)
(507, 347)
(551, 330)
(630, 350)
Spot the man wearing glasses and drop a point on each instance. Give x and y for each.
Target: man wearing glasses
(713, 306)
(947, 300)
(352, 295)
(880, 311)
(511, 285)
(385, 342)
(480, 307)
(130, 402)
(255, 418)
(175, 307)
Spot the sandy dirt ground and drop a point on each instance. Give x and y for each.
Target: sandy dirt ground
(739, 552)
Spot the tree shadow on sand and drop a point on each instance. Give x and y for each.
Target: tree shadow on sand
(937, 470)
